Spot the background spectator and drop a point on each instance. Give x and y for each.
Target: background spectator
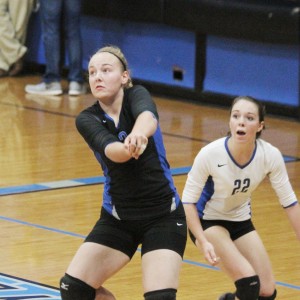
(14, 16)
(58, 16)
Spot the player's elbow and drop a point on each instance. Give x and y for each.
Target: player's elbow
(117, 152)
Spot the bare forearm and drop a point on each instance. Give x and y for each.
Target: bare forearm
(145, 124)
(117, 152)
(194, 222)
(293, 214)
(144, 127)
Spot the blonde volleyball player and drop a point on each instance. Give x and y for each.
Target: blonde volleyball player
(217, 197)
(140, 203)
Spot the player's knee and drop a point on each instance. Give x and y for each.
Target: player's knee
(75, 289)
(165, 294)
(269, 297)
(248, 288)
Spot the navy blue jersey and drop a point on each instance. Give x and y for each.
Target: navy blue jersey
(136, 189)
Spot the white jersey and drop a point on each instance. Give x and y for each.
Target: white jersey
(222, 188)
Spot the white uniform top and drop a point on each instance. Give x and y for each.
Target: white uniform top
(222, 188)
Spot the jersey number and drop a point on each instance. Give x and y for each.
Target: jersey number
(241, 186)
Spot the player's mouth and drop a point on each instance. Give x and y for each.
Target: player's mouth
(99, 87)
(240, 132)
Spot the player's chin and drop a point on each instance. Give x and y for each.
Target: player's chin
(98, 93)
(241, 137)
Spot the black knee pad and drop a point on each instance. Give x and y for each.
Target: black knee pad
(227, 296)
(269, 297)
(165, 294)
(248, 288)
(75, 289)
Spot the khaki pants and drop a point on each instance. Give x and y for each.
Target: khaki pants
(14, 17)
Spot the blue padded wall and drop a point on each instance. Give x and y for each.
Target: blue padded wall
(266, 71)
(152, 50)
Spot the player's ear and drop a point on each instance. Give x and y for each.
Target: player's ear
(125, 77)
(261, 126)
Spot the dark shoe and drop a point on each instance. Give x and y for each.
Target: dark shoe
(3, 73)
(227, 296)
(16, 68)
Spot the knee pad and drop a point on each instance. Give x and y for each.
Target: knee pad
(248, 288)
(75, 289)
(227, 296)
(165, 294)
(269, 297)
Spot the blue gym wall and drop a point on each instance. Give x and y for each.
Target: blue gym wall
(262, 70)
(152, 50)
(267, 71)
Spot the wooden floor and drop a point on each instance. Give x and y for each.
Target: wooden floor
(50, 191)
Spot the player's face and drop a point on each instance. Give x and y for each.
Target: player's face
(106, 76)
(244, 121)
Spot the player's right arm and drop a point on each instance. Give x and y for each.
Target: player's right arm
(195, 227)
(191, 194)
(293, 213)
(99, 138)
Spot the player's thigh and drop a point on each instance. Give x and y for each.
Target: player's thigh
(161, 269)
(232, 261)
(251, 246)
(94, 263)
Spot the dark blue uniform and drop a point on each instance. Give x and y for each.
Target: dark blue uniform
(136, 190)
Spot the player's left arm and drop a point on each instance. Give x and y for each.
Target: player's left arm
(293, 213)
(280, 182)
(144, 127)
